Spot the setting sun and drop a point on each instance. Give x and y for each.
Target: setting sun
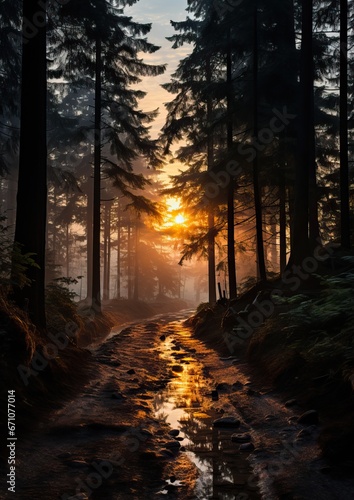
(179, 219)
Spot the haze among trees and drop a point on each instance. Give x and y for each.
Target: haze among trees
(260, 112)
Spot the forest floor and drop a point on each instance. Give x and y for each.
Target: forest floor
(300, 344)
(145, 424)
(136, 414)
(121, 311)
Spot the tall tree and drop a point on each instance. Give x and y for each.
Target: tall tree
(231, 259)
(301, 243)
(256, 185)
(343, 114)
(30, 229)
(96, 228)
(211, 216)
(100, 28)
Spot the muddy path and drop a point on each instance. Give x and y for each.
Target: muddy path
(147, 425)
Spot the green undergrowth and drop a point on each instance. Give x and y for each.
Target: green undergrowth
(316, 330)
(305, 349)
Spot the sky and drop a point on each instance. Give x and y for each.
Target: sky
(159, 13)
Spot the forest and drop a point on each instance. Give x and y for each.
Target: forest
(239, 211)
(260, 117)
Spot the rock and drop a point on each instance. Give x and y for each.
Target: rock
(175, 348)
(173, 432)
(79, 496)
(290, 403)
(117, 395)
(214, 395)
(237, 385)
(252, 392)
(173, 445)
(78, 464)
(307, 432)
(66, 454)
(241, 438)
(131, 371)
(163, 337)
(167, 453)
(309, 418)
(246, 447)
(227, 422)
(173, 479)
(326, 470)
(146, 432)
(222, 386)
(177, 368)
(270, 418)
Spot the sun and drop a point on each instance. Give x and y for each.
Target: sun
(179, 219)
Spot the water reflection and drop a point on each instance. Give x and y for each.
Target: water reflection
(185, 404)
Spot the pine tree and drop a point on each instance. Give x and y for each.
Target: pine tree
(30, 229)
(115, 41)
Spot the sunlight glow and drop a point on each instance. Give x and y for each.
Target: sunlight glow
(179, 219)
(173, 204)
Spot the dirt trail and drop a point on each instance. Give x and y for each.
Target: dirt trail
(142, 427)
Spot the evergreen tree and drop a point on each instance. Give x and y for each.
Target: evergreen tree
(30, 230)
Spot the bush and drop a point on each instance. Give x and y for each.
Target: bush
(61, 309)
(13, 263)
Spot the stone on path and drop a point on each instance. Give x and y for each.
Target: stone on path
(241, 438)
(290, 403)
(177, 368)
(173, 445)
(246, 447)
(227, 422)
(309, 418)
(214, 395)
(79, 464)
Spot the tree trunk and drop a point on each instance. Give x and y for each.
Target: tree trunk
(256, 186)
(211, 237)
(300, 242)
(30, 231)
(136, 263)
(54, 236)
(89, 238)
(96, 243)
(282, 225)
(118, 251)
(105, 252)
(231, 260)
(344, 170)
(67, 244)
(129, 252)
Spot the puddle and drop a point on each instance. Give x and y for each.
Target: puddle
(186, 405)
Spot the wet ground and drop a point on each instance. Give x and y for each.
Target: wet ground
(147, 425)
